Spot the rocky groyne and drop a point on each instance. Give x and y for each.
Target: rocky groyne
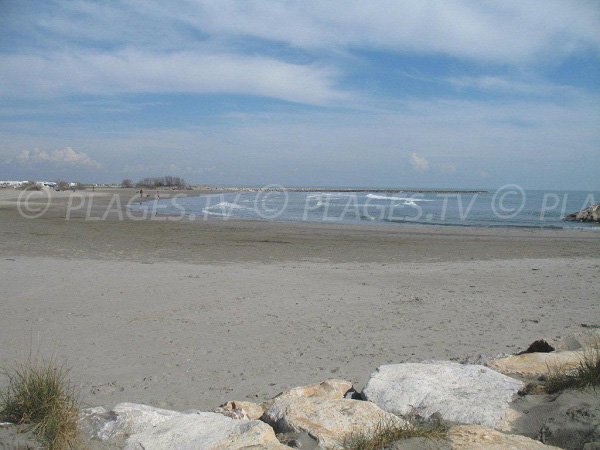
(589, 214)
(496, 405)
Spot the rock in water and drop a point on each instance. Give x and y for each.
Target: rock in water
(589, 214)
(137, 427)
(323, 412)
(461, 393)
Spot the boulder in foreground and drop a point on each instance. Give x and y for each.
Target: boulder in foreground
(461, 393)
(323, 412)
(136, 427)
(533, 365)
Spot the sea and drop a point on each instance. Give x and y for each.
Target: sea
(510, 206)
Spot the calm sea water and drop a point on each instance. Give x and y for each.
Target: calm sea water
(506, 207)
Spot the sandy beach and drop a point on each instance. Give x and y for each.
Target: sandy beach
(192, 314)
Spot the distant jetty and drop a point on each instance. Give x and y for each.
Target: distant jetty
(351, 190)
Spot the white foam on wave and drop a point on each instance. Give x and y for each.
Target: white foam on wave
(212, 213)
(408, 200)
(406, 203)
(223, 209)
(227, 205)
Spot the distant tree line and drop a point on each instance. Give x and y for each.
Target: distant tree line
(156, 182)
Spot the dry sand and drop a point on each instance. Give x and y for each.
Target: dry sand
(189, 315)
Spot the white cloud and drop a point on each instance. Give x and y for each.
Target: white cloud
(418, 162)
(65, 156)
(200, 48)
(133, 71)
(508, 31)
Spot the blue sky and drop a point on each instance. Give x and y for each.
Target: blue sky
(374, 93)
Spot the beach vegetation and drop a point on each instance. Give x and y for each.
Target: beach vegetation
(386, 432)
(586, 374)
(40, 396)
(162, 182)
(127, 183)
(30, 186)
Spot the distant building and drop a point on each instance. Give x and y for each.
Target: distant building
(12, 184)
(18, 184)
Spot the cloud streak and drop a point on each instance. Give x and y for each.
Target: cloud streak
(507, 32)
(132, 71)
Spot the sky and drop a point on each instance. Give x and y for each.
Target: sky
(446, 93)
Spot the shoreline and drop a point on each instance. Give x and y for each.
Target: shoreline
(101, 202)
(189, 315)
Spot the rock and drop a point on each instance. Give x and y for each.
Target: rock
(540, 346)
(589, 214)
(240, 409)
(136, 427)
(123, 420)
(206, 431)
(460, 393)
(533, 365)
(323, 412)
(331, 388)
(301, 440)
(579, 341)
(475, 437)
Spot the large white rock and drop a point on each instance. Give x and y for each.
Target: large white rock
(137, 427)
(205, 431)
(123, 420)
(461, 393)
(323, 412)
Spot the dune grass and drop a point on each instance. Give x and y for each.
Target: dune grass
(387, 432)
(586, 374)
(40, 396)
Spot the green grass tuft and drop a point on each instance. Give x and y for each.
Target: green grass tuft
(586, 374)
(40, 396)
(387, 432)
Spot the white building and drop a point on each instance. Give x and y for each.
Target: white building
(12, 184)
